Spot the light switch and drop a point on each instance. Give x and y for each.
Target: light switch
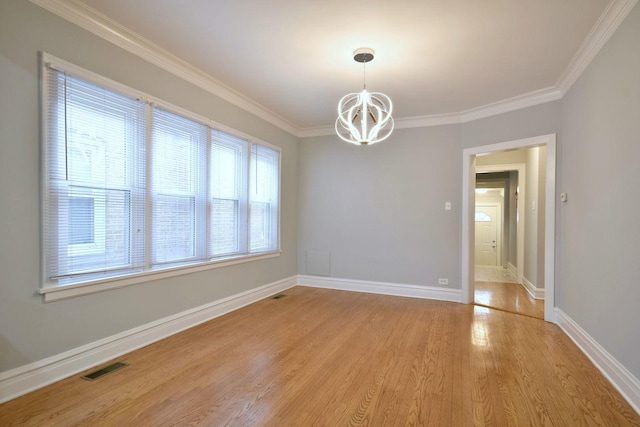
(447, 206)
(563, 197)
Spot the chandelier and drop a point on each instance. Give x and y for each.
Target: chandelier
(365, 116)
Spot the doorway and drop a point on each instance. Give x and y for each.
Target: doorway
(468, 214)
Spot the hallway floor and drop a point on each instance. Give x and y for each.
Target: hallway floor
(493, 273)
(498, 288)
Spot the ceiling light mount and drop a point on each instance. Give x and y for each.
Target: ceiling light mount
(363, 54)
(365, 116)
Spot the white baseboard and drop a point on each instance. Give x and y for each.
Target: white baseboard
(33, 376)
(512, 269)
(536, 293)
(614, 371)
(384, 288)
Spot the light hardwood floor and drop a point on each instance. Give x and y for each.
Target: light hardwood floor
(510, 297)
(333, 358)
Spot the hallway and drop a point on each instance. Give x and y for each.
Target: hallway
(497, 288)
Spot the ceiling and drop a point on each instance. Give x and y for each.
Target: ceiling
(293, 58)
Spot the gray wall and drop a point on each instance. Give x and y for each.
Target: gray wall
(538, 120)
(31, 330)
(598, 226)
(379, 210)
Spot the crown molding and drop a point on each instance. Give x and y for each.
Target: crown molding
(603, 29)
(400, 123)
(102, 26)
(529, 99)
(91, 20)
(522, 101)
(607, 24)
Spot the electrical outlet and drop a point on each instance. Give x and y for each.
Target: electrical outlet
(443, 281)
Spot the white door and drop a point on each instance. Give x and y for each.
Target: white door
(486, 235)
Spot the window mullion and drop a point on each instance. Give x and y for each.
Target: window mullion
(202, 218)
(208, 196)
(247, 199)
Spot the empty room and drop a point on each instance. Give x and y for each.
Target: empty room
(304, 213)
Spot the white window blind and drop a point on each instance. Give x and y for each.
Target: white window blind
(228, 183)
(263, 198)
(178, 188)
(95, 192)
(131, 187)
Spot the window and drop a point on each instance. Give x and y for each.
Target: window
(94, 199)
(228, 195)
(263, 198)
(482, 217)
(132, 188)
(178, 188)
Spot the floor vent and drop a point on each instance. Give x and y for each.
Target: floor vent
(104, 371)
(279, 296)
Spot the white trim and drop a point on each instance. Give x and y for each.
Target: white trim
(530, 99)
(535, 292)
(512, 269)
(468, 256)
(25, 379)
(58, 292)
(619, 376)
(102, 26)
(399, 123)
(431, 120)
(511, 104)
(550, 233)
(384, 288)
(468, 201)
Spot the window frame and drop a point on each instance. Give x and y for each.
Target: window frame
(53, 291)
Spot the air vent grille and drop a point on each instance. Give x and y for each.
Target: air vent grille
(104, 371)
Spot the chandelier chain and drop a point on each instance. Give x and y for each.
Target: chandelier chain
(364, 74)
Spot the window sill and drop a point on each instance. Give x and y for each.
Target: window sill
(55, 293)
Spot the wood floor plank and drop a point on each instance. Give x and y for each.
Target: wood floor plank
(326, 358)
(511, 297)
